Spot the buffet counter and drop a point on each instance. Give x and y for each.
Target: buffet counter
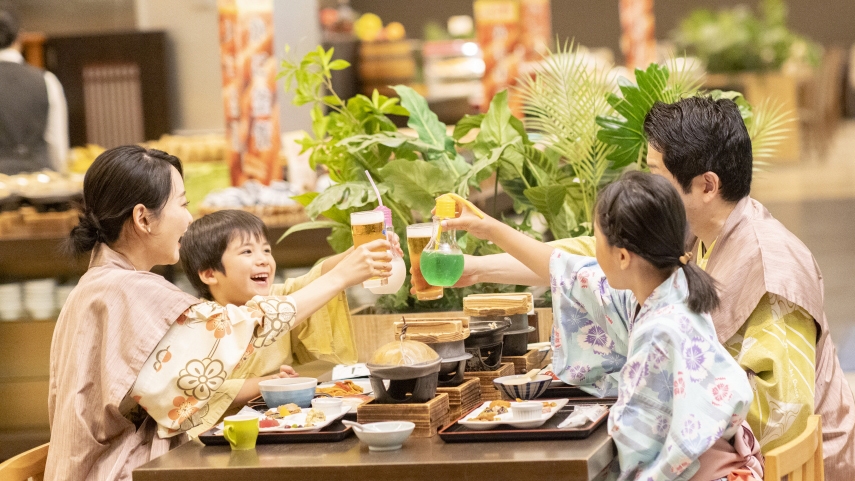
(426, 459)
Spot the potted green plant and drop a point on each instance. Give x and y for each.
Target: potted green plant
(583, 128)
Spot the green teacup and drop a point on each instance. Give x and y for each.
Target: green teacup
(241, 431)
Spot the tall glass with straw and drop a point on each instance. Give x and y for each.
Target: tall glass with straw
(399, 269)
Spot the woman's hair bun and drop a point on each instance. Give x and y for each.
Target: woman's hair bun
(84, 235)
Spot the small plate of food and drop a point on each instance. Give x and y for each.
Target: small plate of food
(347, 387)
(291, 418)
(528, 415)
(353, 392)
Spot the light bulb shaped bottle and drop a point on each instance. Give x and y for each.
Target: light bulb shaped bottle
(442, 260)
(399, 269)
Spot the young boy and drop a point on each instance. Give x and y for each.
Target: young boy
(227, 258)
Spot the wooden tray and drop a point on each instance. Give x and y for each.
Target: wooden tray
(329, 434)
(455, 433)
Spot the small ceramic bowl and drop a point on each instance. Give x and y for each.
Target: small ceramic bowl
(526, 411)
(297, 390)
(331, 407)
(510, 385)
(386, 436)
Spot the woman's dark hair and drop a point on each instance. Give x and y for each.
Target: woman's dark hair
(643, 214)
(698, 135)
(118, 180)
(208, 237)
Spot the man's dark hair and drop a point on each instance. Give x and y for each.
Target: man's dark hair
(698, 135)
(208, 237)
(8, 27)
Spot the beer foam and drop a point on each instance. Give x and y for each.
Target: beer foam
(366, 218)
(420, 230)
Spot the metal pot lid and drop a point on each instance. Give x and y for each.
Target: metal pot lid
(448, 350)
(522, 331)
(466, 356)
(404, 372)
(487, 328)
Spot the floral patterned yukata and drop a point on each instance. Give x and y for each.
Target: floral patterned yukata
(199, 353)
(678, 388)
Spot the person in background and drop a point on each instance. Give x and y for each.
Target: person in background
(33, 111)
(771, 318)
(681, 399)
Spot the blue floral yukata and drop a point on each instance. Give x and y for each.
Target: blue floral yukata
(678, 389)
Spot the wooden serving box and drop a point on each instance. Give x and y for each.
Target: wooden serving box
(428, 417)
(533, 359)
(488, 390)
(462, 398)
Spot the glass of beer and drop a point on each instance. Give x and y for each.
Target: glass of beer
(366, 227)
(418, 236)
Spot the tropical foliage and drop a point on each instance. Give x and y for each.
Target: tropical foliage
(583, 127)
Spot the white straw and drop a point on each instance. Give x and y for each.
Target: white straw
(376, 191)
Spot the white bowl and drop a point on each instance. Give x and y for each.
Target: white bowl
(297, 390)
(526, 411)
(329, 406)
(288, 384)
(386, 436)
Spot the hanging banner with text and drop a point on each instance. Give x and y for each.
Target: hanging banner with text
(249, 90)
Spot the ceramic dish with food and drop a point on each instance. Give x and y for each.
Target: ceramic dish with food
(492, 414)
(307, 420)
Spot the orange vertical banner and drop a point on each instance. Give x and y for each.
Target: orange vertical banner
(638, 33)
(498, 29)
(249, 90)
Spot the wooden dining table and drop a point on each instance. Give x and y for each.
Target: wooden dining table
(428, 459)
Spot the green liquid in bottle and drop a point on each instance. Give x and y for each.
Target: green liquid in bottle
(441, 269)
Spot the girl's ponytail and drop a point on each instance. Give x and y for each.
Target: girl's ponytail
(702, 290)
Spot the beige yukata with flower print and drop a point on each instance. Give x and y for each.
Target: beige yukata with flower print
(199, 352)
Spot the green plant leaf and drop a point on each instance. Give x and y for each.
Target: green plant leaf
(496, 127)
(341, 238)
(339, 64)
(315, 224)
(426, 124)
(343, 196)
(626, 132)
(418, 181)
(466, 124)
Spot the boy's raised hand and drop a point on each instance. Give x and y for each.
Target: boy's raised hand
(363, 263)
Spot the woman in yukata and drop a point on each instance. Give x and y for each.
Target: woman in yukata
(133, 216)
(681, 398)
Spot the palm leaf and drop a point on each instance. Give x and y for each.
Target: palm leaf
(768, 127)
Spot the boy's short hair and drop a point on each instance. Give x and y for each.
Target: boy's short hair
(700, 134)
(207, 238)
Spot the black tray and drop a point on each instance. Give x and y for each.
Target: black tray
(574, 394)
(329, 434)
(457, 433)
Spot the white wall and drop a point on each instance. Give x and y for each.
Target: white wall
(194, 56)
(193, 59)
